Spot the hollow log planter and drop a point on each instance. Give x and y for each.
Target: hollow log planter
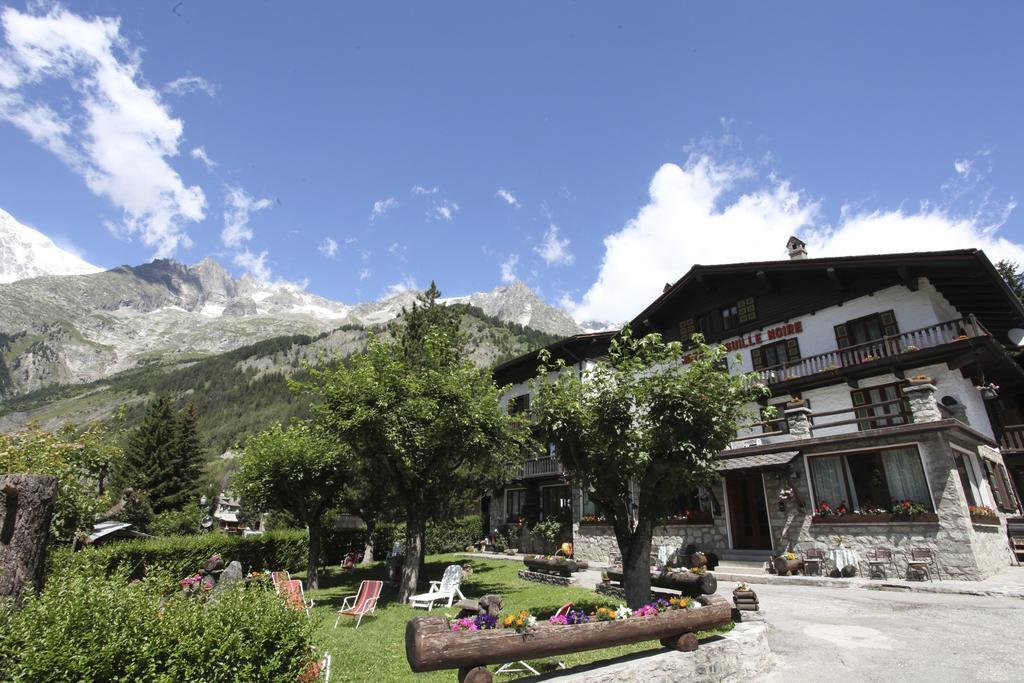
(559, 567)
(431, 645)
(687, 583)
(784, 566)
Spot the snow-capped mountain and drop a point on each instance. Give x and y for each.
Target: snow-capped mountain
(26, 253)
(69, 329)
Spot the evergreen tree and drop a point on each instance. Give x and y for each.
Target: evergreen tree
(162, 457)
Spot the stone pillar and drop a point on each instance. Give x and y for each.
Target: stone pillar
(798, 417)
(921, 396)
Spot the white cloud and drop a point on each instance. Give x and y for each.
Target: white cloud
(444, 211)
(508, 266)
(365, 274)
(200, 154)
(188, 84)
(696, 213)
(328, 247)
(115, 132)
(554, 251)
(382, 206)
(239, 206)
(408, 284)
(419, 189)
(508, 197)
(255, 264)
(398, 250)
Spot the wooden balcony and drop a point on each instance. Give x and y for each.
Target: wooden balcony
(539, 467)
(1012, 439)
(899, 346)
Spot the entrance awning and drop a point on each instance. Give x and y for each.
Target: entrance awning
(764, 461)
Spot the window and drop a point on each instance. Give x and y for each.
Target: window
(693, 504)
(691, 326)
(867, 329)
(519, 404)
(886, 400)
(743, 311)
(776, 354)
(730, 316)
(515, 499)
(966, 472)
(556, 501)
(871, 480)
(588, 506)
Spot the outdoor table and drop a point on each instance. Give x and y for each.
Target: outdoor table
(842, 557)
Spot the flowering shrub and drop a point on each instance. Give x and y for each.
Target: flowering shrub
(480, 622)
(908, 507)
(521, 622)
(981, 510)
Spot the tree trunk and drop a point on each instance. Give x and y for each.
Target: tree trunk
(413, 553)
(371, 525)
(27, 506)
(636, 564)
(315, 535)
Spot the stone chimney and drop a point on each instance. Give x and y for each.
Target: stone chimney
(797, 248)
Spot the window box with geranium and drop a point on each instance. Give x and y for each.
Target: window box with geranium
(687, 517)
(905, 511)
(593, 520)
(983, 514)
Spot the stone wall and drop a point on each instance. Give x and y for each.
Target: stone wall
(963, 550)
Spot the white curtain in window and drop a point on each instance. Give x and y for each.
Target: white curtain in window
(906, 476)
(828, 480)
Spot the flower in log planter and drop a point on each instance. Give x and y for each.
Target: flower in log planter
(787, 563)
(522, 622)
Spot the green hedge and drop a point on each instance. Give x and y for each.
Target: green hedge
(450, 536)
(88, 628)
(182, 555)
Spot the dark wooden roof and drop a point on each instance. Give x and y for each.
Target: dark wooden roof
(965, 277)
(571, 349)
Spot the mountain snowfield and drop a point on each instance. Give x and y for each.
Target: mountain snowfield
(59, 327)
(26, 253)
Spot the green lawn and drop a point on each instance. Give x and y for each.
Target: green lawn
(376, 651)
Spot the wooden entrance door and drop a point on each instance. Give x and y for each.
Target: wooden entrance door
(748, 516)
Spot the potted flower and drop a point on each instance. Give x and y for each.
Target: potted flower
(983, 514)
(908, 508)
(988, 391)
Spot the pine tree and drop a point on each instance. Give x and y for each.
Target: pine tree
(163, 457)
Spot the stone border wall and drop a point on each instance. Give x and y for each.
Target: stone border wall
(541, 577)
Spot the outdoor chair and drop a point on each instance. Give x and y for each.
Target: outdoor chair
(280, 579)
(362, 603)
(445, 589)
(922, 561)
(814, 559)
(295, 597)
(879, 561)
(524, 667)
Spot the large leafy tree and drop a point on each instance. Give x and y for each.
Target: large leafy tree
(424, 421)
(638, 427)
(299, 470)
(163, 457)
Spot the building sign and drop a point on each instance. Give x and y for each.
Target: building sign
(754, 339)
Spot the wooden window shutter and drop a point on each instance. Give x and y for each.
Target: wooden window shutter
(842, 336)
(687, 328)
(757, 358)
(1010, 493)
(889, 327)
(995, 481)
(792, 350)
(859, 397)
(747, 310)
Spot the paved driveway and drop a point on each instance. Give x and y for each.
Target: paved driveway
(837, 634)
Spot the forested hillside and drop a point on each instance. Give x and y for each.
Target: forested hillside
(242, 391)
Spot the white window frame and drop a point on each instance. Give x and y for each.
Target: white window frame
(849, 482)
(979, 482)
(505, 513)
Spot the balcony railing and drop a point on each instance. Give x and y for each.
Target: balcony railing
(1012, 438)
(539, 467)
(886, 347)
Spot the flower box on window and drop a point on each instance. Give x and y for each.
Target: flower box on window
(884, 518)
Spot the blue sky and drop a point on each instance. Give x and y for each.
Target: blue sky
(593, 150)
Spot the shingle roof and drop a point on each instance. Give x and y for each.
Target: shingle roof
(761, 461)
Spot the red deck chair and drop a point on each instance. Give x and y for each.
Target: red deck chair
(295, 597)
(362, 603)
(280, 579)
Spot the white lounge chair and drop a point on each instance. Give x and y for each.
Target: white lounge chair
(445, 589)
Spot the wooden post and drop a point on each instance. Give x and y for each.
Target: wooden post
(24, 527)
